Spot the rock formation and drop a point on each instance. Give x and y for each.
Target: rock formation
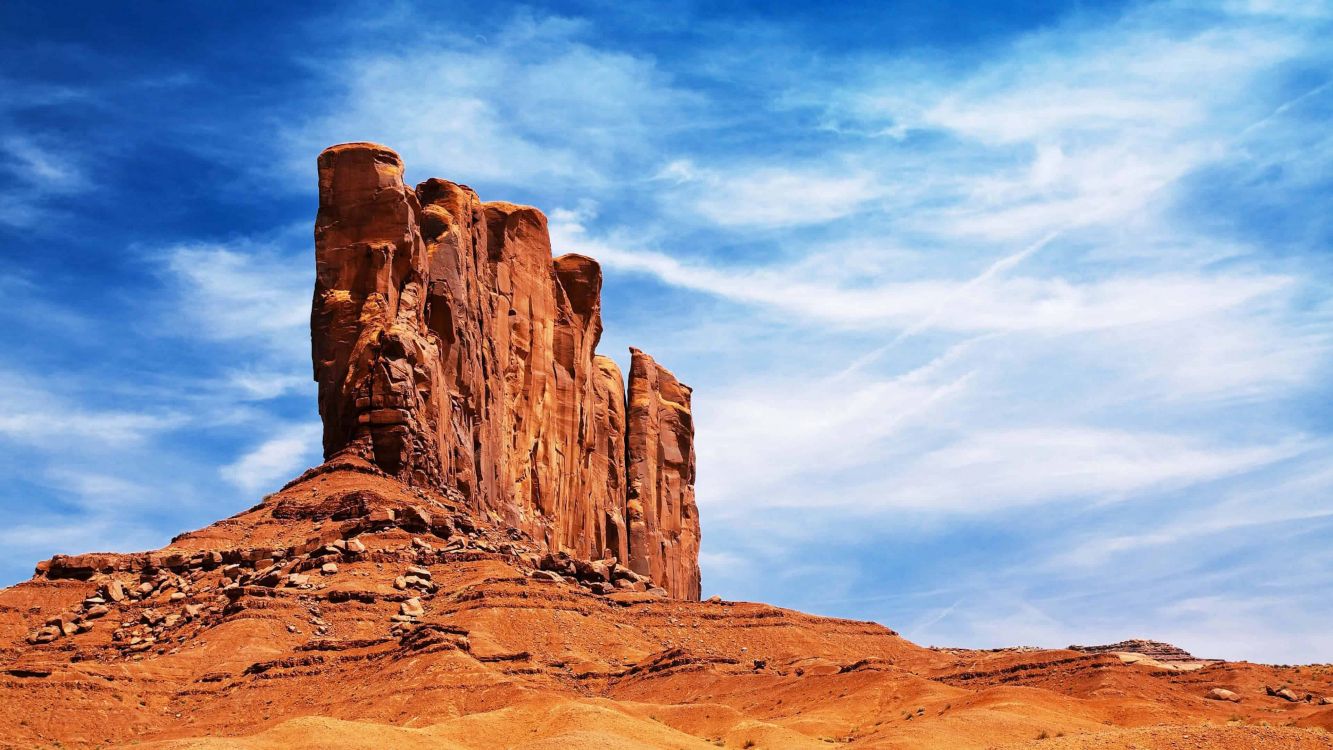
(1155, 650)
(452, 351)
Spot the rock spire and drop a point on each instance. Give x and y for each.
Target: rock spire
(452, 350)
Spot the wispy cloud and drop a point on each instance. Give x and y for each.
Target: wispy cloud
(769, 197)
(39, 417)
(534, 101)
(243, 292)
(278, 458)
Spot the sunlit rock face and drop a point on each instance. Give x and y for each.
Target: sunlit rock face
(453, 351)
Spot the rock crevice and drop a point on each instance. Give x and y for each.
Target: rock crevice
(453, 351)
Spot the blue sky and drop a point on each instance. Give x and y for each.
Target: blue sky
(1008, 324)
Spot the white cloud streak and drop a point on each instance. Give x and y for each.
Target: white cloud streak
(279, 457)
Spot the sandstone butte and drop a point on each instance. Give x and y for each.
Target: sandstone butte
(501, 551)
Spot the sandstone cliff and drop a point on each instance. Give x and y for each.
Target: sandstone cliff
(452, 351)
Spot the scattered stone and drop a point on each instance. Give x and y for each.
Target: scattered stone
(421, 544)
(546, 576)
(1222, 694)
(298, 579)
(329, 569)
(355, 546)
(714, 599)
(419, 572)
(146, 588)
(96, 611)
(232, 571)
(412, 608)
(178, 596)
(414, 582)
(194, 610)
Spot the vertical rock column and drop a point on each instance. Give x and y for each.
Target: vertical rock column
(663, 519)
(605, 457)
(377, 370)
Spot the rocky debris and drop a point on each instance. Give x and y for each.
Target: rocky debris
(604, 576)
(152, 601)
(414, 580)
(170, 580)
(453, 351)
(1155, 650)
(1222, 694)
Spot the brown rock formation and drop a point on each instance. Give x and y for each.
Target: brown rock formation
(1155, 650)
(453, 351)
(664, 523)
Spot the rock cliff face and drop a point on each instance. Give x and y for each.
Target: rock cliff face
(453, 351)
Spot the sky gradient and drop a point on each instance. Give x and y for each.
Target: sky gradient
(1008, 325)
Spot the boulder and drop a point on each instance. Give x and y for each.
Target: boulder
(113, 591)
(412, 608)
(413, 517)
(1286, 694)
(1222, 694)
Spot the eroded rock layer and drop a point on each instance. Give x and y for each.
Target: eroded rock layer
(453, 351)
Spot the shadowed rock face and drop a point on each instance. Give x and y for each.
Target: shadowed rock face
(453, 351)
